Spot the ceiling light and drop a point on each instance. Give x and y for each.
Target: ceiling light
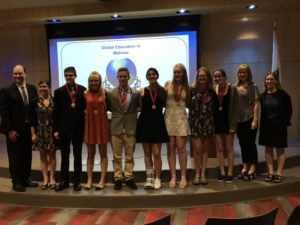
(116, 16)
(53, 20)
(251, 7)
(182, 11)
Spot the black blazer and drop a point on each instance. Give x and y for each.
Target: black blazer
(67, 120)
(13, 110)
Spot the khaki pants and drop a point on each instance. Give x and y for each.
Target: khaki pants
(118, 142)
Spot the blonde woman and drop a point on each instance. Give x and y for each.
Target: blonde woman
(247, 124)
(177, 122)
(96, 129)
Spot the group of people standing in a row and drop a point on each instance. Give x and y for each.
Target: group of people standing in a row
(76, 114)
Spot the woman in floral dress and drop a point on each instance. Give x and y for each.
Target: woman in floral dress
(42, 133)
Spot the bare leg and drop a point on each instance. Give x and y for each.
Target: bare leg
(148, 156)
(44, 166)
(230, 152)
(204, 157)
(197, 148)
(90, 164)
(220, 153)
(104, 163)
(269, 159)
(281, 160)
(172, 160)
(156, 151)
(182, 156)
(52, 166)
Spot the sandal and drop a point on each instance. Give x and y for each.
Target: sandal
(196, 181)
(242, 175)
(250, 176)
(278, 179)
(270, 178)
(44, 187)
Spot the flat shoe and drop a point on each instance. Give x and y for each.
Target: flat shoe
(196, 181)
(203, 181)
(99, 188)
(52, 186)
(88, 187)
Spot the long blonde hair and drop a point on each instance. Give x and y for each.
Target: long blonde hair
(185, 82)
(101, 91)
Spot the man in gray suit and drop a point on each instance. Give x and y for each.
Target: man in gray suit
(123, 102)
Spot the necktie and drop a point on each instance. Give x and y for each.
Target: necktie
(25, 98)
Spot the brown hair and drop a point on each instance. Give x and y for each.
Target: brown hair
(208, 75)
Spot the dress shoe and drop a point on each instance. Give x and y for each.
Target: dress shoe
(61, 186)
(77, 187)
(18, 188)
(131, 184)
(29, 183)
(118, 185)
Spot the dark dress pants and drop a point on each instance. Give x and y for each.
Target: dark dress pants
(247, 138)
(65, 143)
(20, 156)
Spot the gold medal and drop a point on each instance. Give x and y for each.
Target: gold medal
(220, 108)
(153, 106)
(73, 105)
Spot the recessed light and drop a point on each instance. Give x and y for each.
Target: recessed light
(251, 7)
(116, 16)
(182, 11)
(53, 20)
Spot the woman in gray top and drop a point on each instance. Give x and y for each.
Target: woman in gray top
(247, 122)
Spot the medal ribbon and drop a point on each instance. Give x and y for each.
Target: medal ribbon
(221, 95)
(123, 96)
(153, 96)
(72, 94)
(204, 97)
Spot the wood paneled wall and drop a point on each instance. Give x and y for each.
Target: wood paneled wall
(226, 41)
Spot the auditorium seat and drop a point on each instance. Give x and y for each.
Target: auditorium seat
(294, 218)
(162, 221)
(264, 219)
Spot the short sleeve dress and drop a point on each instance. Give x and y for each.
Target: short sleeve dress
(44, 126)
(151, 127)
(96, 120)
(175, 115)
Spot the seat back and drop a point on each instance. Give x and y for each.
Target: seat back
(294, 218)
(162, 221)
(264, 219)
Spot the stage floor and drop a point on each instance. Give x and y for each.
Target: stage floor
(292, 150)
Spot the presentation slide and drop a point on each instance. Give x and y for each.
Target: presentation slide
(137, 53)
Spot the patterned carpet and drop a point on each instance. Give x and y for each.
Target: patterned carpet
(23, 215)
